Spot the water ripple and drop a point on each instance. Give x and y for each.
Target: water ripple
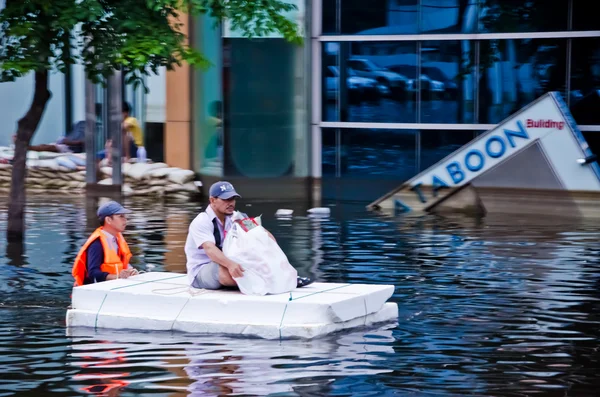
(495, 306)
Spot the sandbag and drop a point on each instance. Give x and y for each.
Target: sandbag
(187, 187)
(66, 162)
(180, 196)
(78, 160)
(137, 171)
(161, 172)
(157, 182)
(42, 174)
(155, 167)
(181, 176)
(76, 176)
(48, 155)
(266, 267)
(147, 191)
(47, 164)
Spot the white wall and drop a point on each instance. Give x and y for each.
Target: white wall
(78, 92)
(16, 97)
(156, 99)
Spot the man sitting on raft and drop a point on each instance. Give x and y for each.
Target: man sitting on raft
(105, 255)
(207, 266)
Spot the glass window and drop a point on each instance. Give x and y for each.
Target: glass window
(330, 17)
(585, 15)
(393, 17)
(329, 147)
(370, 17)
(593, 140)
(501, 16)
(585, 80)
(515, 72)
(369, 153)
(264, 108)
(208, 104)
(448, 16)
(447, 82)
(377, 88)
(381, 154)
(436, 144)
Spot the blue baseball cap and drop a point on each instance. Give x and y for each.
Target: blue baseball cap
(223, 190)
(111, 208)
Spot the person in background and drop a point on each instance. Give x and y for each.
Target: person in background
(133, 139)
(131, 127)
(105, 255)
(72, 142)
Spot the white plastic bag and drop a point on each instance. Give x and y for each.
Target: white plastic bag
(266, 267)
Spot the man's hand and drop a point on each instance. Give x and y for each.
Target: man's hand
(235, 270)
(130, 271)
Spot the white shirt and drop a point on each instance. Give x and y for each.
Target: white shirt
(201, 231)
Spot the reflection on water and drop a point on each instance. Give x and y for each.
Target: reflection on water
(225, 365)
(495, 306)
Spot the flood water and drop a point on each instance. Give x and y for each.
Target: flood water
(497, 306)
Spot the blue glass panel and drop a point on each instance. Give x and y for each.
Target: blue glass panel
(375, 90)
(515, 72)
(447, 82)
(436, 144)
(381, 154)
(585, 80)
(502, 16)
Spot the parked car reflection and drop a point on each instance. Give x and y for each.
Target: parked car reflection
(359, 88)
(395, 82)
(449, 87)
(413, 85)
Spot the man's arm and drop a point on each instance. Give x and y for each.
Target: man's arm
(217, 256)
(95, 258)
(201, 231)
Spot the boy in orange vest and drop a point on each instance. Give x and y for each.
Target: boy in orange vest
(105, 255)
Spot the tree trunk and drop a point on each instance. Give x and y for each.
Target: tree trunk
(25, 130)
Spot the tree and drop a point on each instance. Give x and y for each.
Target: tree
(134, 36)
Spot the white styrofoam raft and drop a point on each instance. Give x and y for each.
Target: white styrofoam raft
(163, 301)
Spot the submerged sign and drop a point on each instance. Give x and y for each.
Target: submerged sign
(490, 149)
(546, 123)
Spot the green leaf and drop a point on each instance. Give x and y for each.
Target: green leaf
(140, 35)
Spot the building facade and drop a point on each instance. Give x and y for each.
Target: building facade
(245, 118)
(421, 78)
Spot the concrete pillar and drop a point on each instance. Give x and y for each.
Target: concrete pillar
(178, 111)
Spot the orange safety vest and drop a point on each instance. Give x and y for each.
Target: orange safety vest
(113, 262)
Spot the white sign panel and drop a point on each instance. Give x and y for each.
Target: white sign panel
(533, 123)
